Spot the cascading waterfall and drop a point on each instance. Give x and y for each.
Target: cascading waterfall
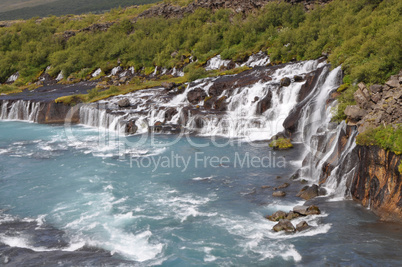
(95, 116)
(19, 110)
(323, 138)
(241, 119)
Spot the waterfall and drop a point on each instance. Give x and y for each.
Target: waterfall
(95, 115)
(19, 110)
(255, 111)
(328, 160)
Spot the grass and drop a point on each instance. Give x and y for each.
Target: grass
(138, 83)
(387, 137)
(97, 93)
(9, 89)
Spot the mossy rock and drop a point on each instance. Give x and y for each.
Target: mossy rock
(281, 144)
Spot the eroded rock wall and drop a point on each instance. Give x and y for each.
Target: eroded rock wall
(377, 183)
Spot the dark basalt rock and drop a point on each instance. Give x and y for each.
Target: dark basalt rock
(307, 210)
(170, 113)
(285, 82)
(123, 103)
(279, 215)
(301, 226)
(279, 194)
(285, 185)
(309, 192)
(292, 121)
(284, 225)
(265, 103)
(298, 78)
(377, 182)
(131, 128)
(196, 96)
(292, 215)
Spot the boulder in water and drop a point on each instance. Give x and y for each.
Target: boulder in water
(307, 210)
(292, 215)
(285, 185)
(123, 103)
(301, 226)
(285, 81)
(279, 194)
(298, 78)
(308, 192)
(131, 128)
(279, 215)
(284, 225)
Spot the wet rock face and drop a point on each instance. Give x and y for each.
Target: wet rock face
(293, 119)
(378, 183)
(285, 81)
(195, 96)
(265, 103)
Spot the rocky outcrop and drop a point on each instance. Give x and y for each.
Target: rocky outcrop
(98, 27)
(284, 225)
(238, 6)
(377, 183)
(308, 192)
(377, 105)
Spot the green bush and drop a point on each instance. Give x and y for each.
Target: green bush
(195, 73)
(345, 99)
(281, 144)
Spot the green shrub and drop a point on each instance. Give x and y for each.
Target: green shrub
(345, 99)
(93, 93)
(281, 144)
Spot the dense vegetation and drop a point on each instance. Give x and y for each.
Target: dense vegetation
(64, 7)
(362, 35)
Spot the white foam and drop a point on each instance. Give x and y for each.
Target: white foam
(216, 63)
(202, 178)
(60, 76)
(96, 73)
